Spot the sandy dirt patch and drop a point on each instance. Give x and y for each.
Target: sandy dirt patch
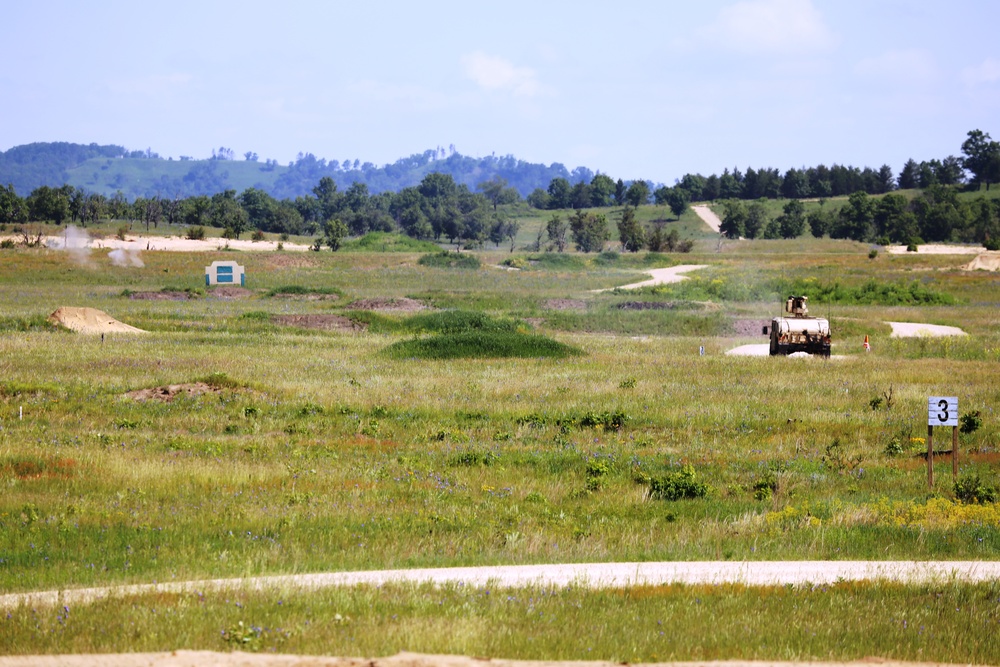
(707, 216)
(671, 274)
(320, 322)
(165, 295)
(236, 659)
(401, 304)
(986, 261)
(168, 393)
(755, 350)
(90, 321)
(181, 244)
(919, 330)
(936, 249)
(565, 304)
(230, 292)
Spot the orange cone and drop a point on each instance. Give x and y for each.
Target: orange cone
(867, 346)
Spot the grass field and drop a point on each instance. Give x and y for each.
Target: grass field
(316, 450)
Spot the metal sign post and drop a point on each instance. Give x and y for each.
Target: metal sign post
(942, 411)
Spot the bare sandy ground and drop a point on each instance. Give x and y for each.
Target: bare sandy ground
(708, 216)
(134, 243)
(937, 249)
(213, 659)
(90, 321)
(672, 274)
(920, 330)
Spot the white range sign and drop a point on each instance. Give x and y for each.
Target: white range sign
(942, 411)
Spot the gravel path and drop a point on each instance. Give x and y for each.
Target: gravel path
(660, 277)
(592, 575)
(707, 216)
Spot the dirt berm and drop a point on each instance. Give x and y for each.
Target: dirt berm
(90, 321)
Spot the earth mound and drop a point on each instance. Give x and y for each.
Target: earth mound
(170, 392)
(987, 261)
(165, 295)
(321, 322)
(230, 293)
(566, 304)
(90, 321)
(401, 304)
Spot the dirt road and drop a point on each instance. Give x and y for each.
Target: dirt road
(707, 216)
(660, 277)
(593, 575)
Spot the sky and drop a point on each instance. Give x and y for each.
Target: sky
(635, 89)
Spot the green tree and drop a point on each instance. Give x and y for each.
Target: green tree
(756, 220)
(334, 232)
(856, 219)
(982, 157)
(12, 207)
(734, 219)
(630, 232)
(792, 221)
(328, 198)
(819, 223)
(589, 231)
(678, 199)
(556, 228)
(225, 212)
(493, 190)
(637, 194)
(48, 204)
(559, 193)
(602, 190)
(909, 174)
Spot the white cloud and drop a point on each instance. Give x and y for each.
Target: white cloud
(769, 27)
(908, 66)
(986, 72)
(493, 73)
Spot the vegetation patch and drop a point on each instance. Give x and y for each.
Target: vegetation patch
(29, 323)
(387, 242)
(677, 485)
(870, 293)
(308, 293)
(37, 467)
(482, 345)
(450, 260)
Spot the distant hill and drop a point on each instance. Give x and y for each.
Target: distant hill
(109, 169)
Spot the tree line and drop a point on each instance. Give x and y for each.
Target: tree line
(981, 158)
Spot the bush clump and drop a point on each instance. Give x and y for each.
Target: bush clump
(971, 489)
(677, 485)
(870, 293)
(460, 321)
(450, 260)
(482, 345)
(299, 290)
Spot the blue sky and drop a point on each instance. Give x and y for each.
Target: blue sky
(634, 89)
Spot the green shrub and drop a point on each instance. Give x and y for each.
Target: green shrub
(473, 458)
(970, 422)
(677, 485)
(870, 293)
(257, 235)
(992, 244)
(196, 233)
(608, 420)
(460, 321)
(6, 244)
(971, 489)
(387, 242)
(299, 290)
(450, 260)
(481, 345)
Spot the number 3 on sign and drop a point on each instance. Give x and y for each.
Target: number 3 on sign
(942, 411)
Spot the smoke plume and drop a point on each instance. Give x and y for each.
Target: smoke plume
(122, 257)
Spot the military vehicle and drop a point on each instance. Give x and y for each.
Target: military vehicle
(798, 332)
